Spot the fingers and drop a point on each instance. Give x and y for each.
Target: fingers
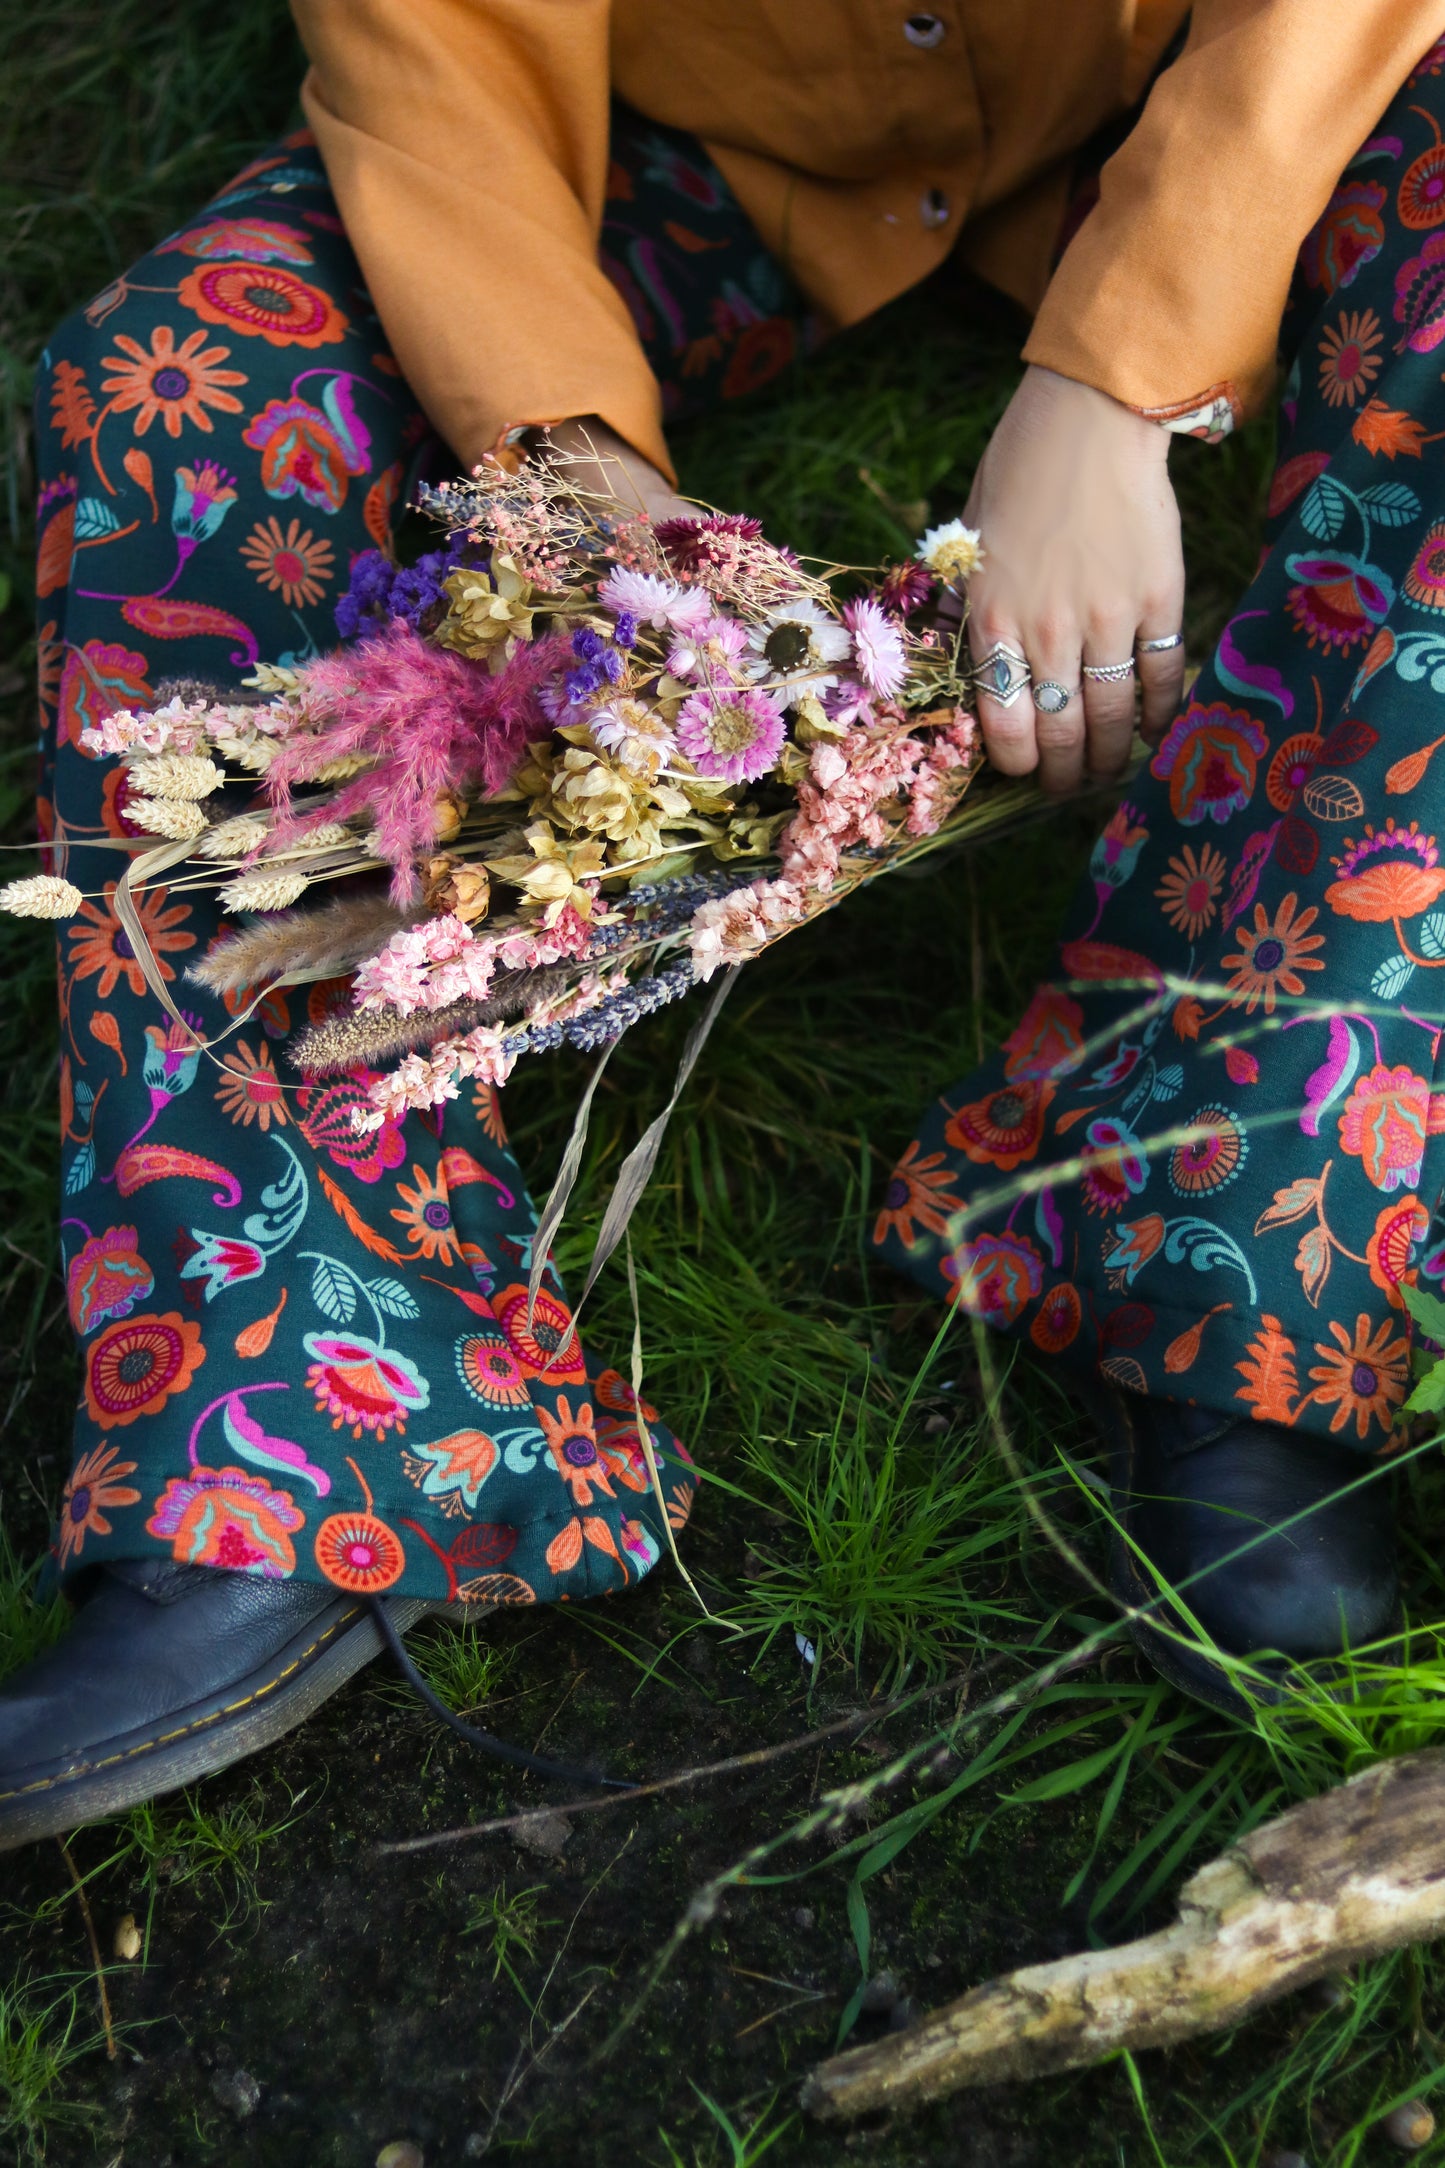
(1161, 677)
(1109, 701)
(1059, 732)
(1007, 724)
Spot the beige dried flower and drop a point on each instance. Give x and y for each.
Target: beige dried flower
(341, 771)
(458, 886)
(248, 750)
(234, 838)
(178, 818)
(487, 615)
(41, 895)
(177, 775)
(327, 836)
(263, 891)
(273, 677)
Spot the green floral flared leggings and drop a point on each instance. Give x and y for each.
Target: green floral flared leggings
(1199, 1164)
(307, 1351)
(1205, 1161)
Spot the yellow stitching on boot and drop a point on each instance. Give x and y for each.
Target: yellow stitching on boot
(202, 1723)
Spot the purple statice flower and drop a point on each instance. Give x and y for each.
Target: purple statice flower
(366, 605)
(600, 664)
(380, 590)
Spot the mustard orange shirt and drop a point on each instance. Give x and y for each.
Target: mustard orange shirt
(466, 141)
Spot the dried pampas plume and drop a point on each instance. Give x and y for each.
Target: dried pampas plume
(326, 942)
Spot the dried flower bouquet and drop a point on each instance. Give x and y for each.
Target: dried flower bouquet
(569, 765)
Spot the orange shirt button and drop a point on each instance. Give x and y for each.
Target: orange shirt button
(933, 207)
(925, 31)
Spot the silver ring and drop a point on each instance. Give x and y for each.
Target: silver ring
(1109, 673)
(1002, 673)
(1051, 698)
(1159, 647)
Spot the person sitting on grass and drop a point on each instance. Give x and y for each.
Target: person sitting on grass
(1201, 1170)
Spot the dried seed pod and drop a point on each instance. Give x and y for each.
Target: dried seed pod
(41, 895)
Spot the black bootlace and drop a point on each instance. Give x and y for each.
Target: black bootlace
(499, 1749)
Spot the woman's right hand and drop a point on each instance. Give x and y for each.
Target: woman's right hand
(598, 459)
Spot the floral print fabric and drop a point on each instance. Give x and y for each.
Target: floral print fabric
(306, 1350)
(1204, 1163)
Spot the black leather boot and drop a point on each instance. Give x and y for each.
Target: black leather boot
(167, 1674)
(1193, 1488)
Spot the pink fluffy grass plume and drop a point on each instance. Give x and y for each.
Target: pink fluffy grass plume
(732, 736)
(432, 723)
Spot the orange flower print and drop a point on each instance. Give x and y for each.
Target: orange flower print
(1364, 1377)
(572, 1443)
(548, 1347)
(298, 562)
(93, 1490)
(263, 301)
(1349, 363)
(1057, 1320)
(177, 383)
(250, 1090)
(136, 1364)
(426, 1215)
(1291, 768)
(1271, 956)
(1006, 1128)
(1391, 873)
(1398, 1228)
(1385, 1121)
(100, 946)
(1191, 888)
(917, 1191)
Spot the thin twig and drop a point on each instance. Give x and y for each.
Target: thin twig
(89, 1918)
(859, 1720)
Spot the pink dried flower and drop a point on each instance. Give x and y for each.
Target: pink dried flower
(710, 650)
(733, 736)
(905, 588)
(431, 721)
(729, 929)
(653, 600)
(422, 1081)
(427, 967)
(877, 646)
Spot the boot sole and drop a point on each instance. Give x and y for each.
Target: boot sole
(198, 1741)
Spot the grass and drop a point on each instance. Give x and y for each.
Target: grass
(42, 2038)
(857, 1501)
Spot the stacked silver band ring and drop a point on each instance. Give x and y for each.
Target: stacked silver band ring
(1051, 698)
(1109, 673)
(1002, 673)
(1160, 647)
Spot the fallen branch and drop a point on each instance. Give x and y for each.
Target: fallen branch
(1348, 1875)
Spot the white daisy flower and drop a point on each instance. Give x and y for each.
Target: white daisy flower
(796, 647)
(951, 551)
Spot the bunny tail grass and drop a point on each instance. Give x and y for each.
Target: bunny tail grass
(379, 1035)
(325, 942)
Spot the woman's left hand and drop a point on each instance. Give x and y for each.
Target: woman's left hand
(1082, 560)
